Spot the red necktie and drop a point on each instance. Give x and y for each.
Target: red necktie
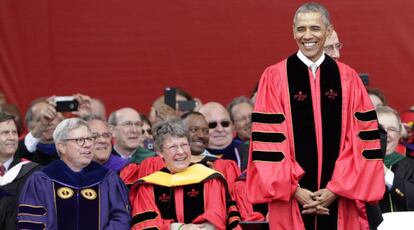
(2, 170)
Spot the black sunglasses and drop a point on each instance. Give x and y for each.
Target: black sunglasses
(213, 124)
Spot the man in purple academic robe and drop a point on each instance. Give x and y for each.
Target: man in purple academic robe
(74, 192)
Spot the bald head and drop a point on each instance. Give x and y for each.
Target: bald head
(127, 129)
(220, 126)
(332, 46)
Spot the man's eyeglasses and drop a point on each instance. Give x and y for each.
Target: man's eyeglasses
(331, 48)
(106, 135)
(82, 140)
(213, 124)
(174, 148)
(130, 124)
(392, 130)
(244, 118)
(148, 131)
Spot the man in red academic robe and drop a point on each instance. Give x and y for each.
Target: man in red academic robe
(315, 145)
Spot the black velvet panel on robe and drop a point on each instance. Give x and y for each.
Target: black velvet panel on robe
(304, 128)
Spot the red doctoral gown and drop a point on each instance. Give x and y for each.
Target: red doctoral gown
(316, 133)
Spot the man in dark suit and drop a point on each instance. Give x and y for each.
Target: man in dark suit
(14, 171)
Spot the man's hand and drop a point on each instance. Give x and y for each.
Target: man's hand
(163, 111)
(84, 108)
(47, 115)
(310, 205)
(324, 196)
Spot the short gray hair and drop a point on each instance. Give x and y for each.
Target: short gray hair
(112, 119)
(312, 7)
(171, 127)
(236, 101)
(386, 110)
(64, 127)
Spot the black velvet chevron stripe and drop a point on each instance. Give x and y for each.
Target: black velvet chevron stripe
(149, 215)
(30, 225)
(372, 154)
(268, 137)
(268, 118)
(31, 210)
(151, 228)
(233, 213)
(369, 135)
(366, 116)
(267, 156)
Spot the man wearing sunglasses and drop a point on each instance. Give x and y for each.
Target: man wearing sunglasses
(221, 142)
(315, 140)
(74, 192)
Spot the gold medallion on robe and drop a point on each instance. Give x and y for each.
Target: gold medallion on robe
(65, 193)
(89, 194)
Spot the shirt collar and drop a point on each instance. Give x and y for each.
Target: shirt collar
(7, 163)
(308, 62)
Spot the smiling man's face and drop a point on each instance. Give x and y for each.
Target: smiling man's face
(310, 33)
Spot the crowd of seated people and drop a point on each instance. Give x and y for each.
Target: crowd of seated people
(176, 169)
(130, 152)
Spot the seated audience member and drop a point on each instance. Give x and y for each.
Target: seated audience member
(160, 111)
(221, 141)
(14, 110)
(248, 211)
(42, 119)
(240, 110)
(13, 171)
(74, 192)
(332, 46)
(103, 145)
(377, 97)
(199, 139)
(180, 196)
(98, 108)
(127, 129)
(399, 170)
(146, 139)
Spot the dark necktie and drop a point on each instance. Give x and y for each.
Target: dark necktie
(2, 170)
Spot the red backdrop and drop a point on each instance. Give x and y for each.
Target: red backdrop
(125, 52)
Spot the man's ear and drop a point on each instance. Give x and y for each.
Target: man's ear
(112, 129)
(61, 148)
(293, 31)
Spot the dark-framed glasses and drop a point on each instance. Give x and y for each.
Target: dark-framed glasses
(106, 135)
(332, 47)
(82, 140)
(213, 124)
